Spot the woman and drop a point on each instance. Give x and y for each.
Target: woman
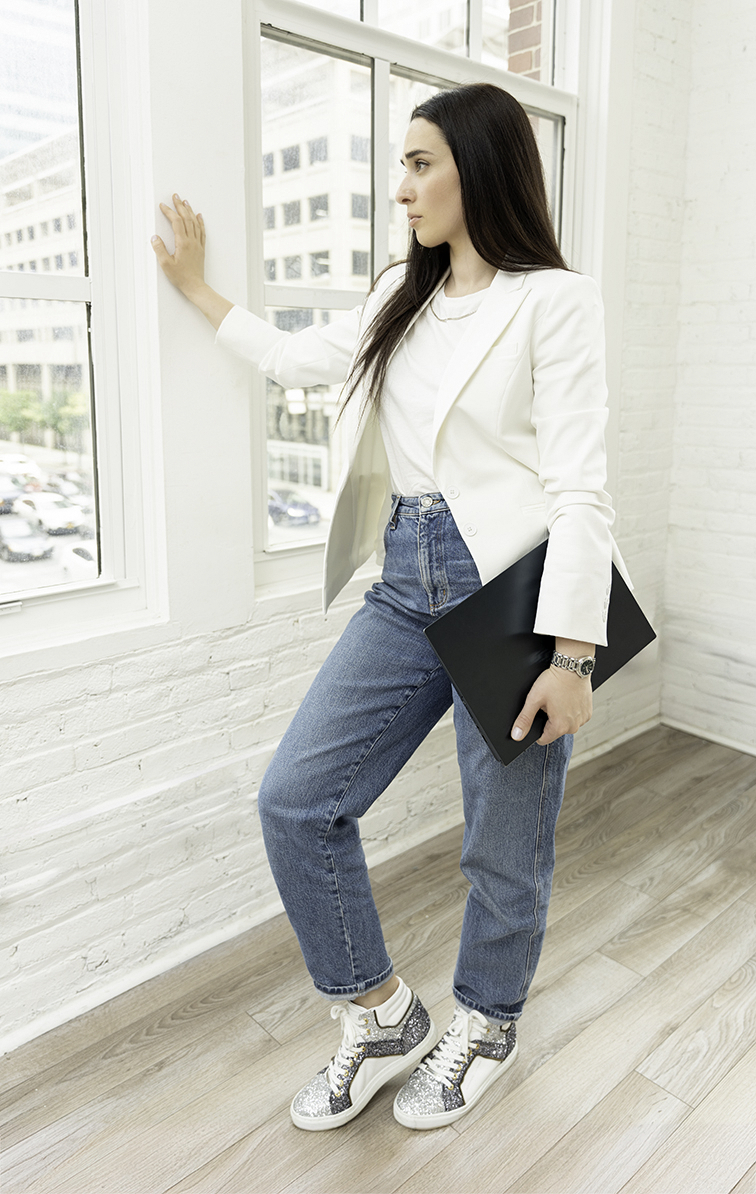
(475, 404)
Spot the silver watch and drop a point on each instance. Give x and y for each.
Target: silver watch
(582, 667)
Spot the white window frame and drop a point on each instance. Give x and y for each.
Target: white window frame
(384, 52)
(130, 591)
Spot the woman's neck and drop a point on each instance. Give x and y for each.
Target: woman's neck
(469, 272)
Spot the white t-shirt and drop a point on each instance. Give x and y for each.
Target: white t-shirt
(413, 379)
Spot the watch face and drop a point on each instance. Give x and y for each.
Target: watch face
(586, 666)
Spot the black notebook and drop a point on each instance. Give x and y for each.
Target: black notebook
(493, 657)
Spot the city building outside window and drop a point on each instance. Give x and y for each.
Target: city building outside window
(361, 207)
(269, 217)
(319, 263)
(57, 224)
(292, 212)
(267, 165)
(293, 267)
(270, 269)
(59, 261)
(30, 232)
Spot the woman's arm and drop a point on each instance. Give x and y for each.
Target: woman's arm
(185, 267)
(313, 356)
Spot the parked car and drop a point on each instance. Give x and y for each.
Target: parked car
(286, 506)
(50, 512)
(78, 561)
(17, 464)
(20, 541)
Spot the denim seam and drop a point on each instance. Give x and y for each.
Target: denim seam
(536, 885)
(342, 797)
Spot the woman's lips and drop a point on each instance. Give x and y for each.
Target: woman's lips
(413, 220)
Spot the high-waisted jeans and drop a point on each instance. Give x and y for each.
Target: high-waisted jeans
(376, 697)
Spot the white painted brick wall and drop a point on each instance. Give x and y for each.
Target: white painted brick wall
(710, 646)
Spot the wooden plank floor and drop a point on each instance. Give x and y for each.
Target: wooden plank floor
(637, 1066)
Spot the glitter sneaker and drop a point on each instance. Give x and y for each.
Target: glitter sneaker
(453, 1076)
(377, 1044)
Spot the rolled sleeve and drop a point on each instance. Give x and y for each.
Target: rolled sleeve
(569, 416)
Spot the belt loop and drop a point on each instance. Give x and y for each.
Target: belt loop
(394, 508)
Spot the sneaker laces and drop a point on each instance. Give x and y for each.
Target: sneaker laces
(353, 1026)
(446, 1060)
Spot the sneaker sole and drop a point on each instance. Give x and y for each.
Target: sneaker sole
(380, 1079)
(442, 1118)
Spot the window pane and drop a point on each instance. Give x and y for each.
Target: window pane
(316, 126)
(305, 451)
(47, 505)
(41, 227)
(441, 23)
(549, 131)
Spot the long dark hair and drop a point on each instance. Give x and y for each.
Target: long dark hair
(504, 206)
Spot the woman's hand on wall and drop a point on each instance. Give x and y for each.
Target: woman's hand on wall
(567, 700)
(185, 267)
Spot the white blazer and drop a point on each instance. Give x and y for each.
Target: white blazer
(518, 437)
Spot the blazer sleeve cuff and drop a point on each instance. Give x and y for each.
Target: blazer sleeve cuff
(247, 335)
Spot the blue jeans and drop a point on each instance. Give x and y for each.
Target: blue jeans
(376, 697)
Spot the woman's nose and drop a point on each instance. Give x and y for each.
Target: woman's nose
(403, 195)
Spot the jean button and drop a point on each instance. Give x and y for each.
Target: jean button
(426, 501)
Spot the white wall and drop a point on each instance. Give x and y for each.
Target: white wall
(710, 640)
(131, 760)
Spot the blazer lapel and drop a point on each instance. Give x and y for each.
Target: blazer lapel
(505, 295)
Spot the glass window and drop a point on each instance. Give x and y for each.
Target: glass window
(318, 150)
(361, 207)
(270, 269)
(439, 23)
(360, 149)
(319, 263)
(47, 480)
(267, 165)
(318, 207)
(305, 447)
(290, 157)
(269, 217)
(307, 98)
(360, 262)
(47, 503)
(293, 267)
